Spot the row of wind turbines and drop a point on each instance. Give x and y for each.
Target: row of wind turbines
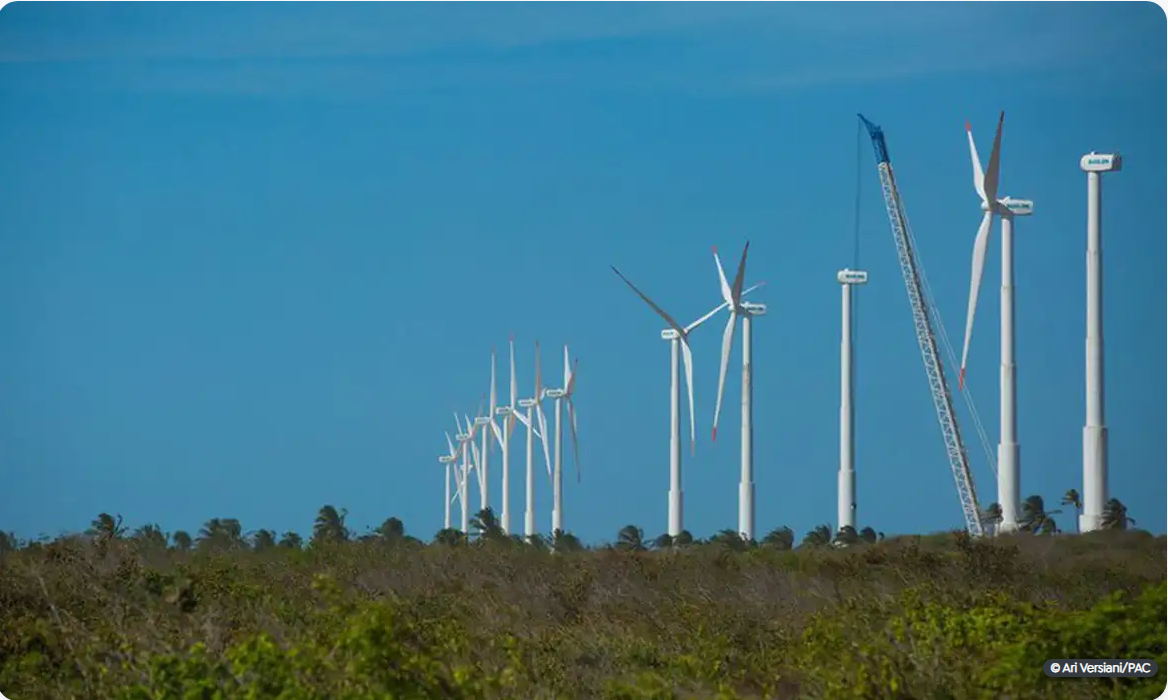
(464, 457)
(475, 459)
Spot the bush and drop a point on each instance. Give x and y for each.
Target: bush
(928, 618)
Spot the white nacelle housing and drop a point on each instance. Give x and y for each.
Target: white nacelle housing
(502, 410)
(555, 393)
(526, 403)
(852, 277)
(446, 459)
(670, 334)
(1101, 162)
(1018, 207)
(754, 309)
(482, 420)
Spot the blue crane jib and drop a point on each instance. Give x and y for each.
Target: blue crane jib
(878, 143)
(926, 339)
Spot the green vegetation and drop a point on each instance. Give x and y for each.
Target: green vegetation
(119, 615)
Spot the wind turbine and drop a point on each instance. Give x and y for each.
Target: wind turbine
(464, 438)
(481, 422)
(1006, 209)
(447, 460)
(562, 395)
(503, 436)
(1095, 430)
(739, 308)
(529, 422)
(678, 337)
(846, 506)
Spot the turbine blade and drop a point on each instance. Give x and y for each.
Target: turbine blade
(991, 175)
(538, 386)
(979, 252)
(575, 443)
(496, 432)
(722, 278)
(687, 356)
(450, 443)
(978, 175)
(570, 387)
(736, 290)
(727, 343)
(514, 390)
(567, 370)
(543, 431)
(660, 312)
(494, 396)
(522, 419)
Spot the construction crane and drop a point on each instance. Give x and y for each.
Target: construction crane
(942, 398)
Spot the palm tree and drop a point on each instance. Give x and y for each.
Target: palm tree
(846, 536)
(487, 525)
(450, 537)
(151, 536)
(291, 540)
(330, 525)
(731, 539)
(8, 542)
(868, 535)
(661, 541)
(565, 542)
(392, 529)
(182, 540)
(632, 539)
(263, 539)
(222, 533)
(818, 537)
(991, 517)
(683, 539)
(1071, 498)
(104, 527)
(780, 538)
(1115, 516)
(1035, 518)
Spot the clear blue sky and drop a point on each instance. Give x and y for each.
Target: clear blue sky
(253, 255)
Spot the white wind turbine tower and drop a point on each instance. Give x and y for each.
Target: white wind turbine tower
(503, 437)
(561, 396)
(465, 437)
(846, 507)
(447, 460)
(1006, 208)
(678, 337)
(739, 308)
(529, 421)
(1095, 430)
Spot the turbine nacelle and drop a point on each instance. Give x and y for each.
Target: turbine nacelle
(1101, 162)
(526, 403)
(847, 276)
(482, 420)
(445, 459)
(1017, 207)
(502, 410)
(670, 334)
(752, 308)
(555, 393)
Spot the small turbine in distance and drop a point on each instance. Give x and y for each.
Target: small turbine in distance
(738, 308)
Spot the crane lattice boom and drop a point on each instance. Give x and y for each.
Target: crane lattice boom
(942, 399)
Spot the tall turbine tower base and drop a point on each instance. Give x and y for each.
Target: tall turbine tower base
(1095, 428)
(1094, 477)
(846, 479)
(1008, 486)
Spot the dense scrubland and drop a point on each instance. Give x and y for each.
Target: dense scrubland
(225, 616)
